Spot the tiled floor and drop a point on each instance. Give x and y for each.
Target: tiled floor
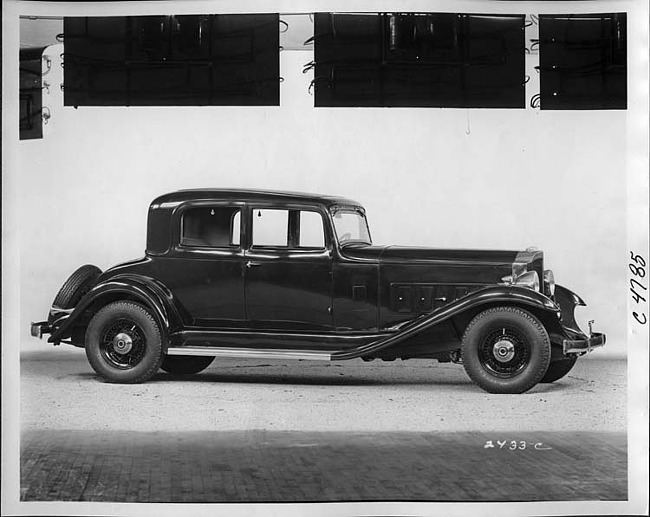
(260, 466)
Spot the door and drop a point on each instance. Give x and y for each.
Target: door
(288, 270)
(204, 269)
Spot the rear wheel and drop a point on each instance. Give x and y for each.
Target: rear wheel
(558, 369)
(506, 350)
(185, 364)
(74, 289)
(123, 343)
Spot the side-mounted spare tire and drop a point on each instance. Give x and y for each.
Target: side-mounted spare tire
(74, 288)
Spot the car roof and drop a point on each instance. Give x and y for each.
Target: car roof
(251, 195)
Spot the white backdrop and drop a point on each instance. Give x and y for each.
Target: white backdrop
(437, 177)
(470, 178)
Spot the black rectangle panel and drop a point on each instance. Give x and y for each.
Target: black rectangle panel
(217, 60)
(583, 61)
(31, 94)
(419, 60)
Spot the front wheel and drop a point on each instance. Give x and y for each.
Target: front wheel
(124, 343)
(506, 350)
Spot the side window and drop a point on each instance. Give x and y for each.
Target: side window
(312, 234)
(235, 231)
(216, 227)
(270, 227)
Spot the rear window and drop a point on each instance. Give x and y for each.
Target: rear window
(214, 227)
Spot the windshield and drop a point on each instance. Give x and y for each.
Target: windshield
(351, 226)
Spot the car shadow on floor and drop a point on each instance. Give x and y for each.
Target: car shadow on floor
(304, 379)
(280, 379)
(322, 379)
(332, 380)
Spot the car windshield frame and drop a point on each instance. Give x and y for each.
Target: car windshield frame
(359, 212)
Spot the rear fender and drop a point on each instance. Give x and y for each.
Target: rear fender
(145, 290)
(470, 304)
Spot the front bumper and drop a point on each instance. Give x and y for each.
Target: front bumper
(40, 328)
(582, 346)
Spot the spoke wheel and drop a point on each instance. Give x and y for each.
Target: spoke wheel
(506, 350)
(123, 343)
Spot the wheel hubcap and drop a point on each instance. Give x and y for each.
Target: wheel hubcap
(503, 350)
(122, 343)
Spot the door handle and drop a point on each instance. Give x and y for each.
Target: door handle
(251, 264)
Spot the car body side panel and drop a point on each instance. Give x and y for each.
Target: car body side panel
(412, 288)
(424, 331)
(206, 283)
(355, 295)
(487, 297)
(209, 284)
(289, 290)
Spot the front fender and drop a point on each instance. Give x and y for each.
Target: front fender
(568, 301)
(489, 296)
(148, 291)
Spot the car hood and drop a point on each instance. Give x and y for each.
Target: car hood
(408, 254)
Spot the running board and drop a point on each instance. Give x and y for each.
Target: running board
(256, 353)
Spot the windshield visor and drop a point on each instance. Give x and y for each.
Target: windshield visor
(351, 226)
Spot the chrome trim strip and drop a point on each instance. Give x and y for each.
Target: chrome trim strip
(190, 333)
(253, 353)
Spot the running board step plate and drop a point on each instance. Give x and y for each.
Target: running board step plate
(271, 353)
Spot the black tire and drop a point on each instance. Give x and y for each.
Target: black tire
(558, 369)
(506, 350)
(124, 343)
(185, 364)
(74, 288)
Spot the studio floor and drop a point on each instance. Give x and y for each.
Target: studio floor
(283, 466)
(271, 431)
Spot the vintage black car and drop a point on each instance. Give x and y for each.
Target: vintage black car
(262, 274)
